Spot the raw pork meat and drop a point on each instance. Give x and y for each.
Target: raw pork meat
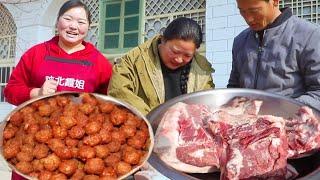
(257, 150)
(303, 132)
(182, 142)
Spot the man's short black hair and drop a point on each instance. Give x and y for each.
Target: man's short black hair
(185, 29)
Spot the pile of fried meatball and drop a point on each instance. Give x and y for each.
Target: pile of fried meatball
(59, 138)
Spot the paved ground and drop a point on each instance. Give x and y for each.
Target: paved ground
(5, 173)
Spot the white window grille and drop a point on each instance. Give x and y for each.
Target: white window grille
(306, 9)
(8, 32)
(159, 13)
(93, 6)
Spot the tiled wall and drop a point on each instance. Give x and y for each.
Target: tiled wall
(223, 23)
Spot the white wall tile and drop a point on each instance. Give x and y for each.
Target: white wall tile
(216, 46)
(222, 57)
(223, 33)
(224, 10)
(236, 20)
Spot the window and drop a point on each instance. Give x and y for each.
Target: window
(306, 9)
(120, 25)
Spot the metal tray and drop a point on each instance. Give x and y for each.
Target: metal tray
(77, 99)
(273, 104)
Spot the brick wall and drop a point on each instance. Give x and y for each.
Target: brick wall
(223, 23)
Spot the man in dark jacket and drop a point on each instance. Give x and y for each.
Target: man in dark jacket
(279, 53)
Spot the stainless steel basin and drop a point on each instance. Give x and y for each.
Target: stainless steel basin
(273, 104)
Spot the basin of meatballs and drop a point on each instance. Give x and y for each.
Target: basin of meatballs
(60, 138)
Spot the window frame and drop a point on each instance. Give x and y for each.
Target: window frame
(102, 20)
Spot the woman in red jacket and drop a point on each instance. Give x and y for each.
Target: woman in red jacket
(66, 62)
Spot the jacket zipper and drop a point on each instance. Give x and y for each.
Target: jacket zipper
(258, 62)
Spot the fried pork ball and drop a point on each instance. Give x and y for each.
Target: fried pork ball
(118, 116)
(28, 119)
(29, 139)
(45, 110)
(58, 176)
(98, 117)
(86, 108)
(107, 125)
(37, 165)
(109, 172)
(24, 167)
(45, 175)
(86, 152)
(91, 177)
(54, 118)
(122, 168)
(33, 128)
(38, 103)
(105, 136)
(24, 156)
(78, 175)
(27, 110)
(59, 132)
(94, 166)
(63, 100)
(68, 167)
(43, 135)
(93, 127)
(87, 98)
(76, 132)
(40, 151)
(55, 144)
(142, 134)
(11, 148)
(9, 131)
(112, 159)
(118, 136)
(71, 142)
(27, 148)
(128, 130)
(16, 119)
(74, 152)
(114, 146)
(64, 153)
(34, 174)
(106, 107)
(51, 162)
(53, 103)
(102, 151)
(92, 140)
(107, 178)
(82, 119)
(132, 120)
(143, 127)
(136, 142)
(131, 156)
(67, 122)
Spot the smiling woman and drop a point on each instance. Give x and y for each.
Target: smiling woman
(64, 63)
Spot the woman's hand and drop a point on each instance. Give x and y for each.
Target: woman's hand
(48, 87)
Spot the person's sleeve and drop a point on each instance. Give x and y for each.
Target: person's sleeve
(310, 70)
(234, 74)
(124, 85)
(209, 84)
(18, 88)
(105, 73)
